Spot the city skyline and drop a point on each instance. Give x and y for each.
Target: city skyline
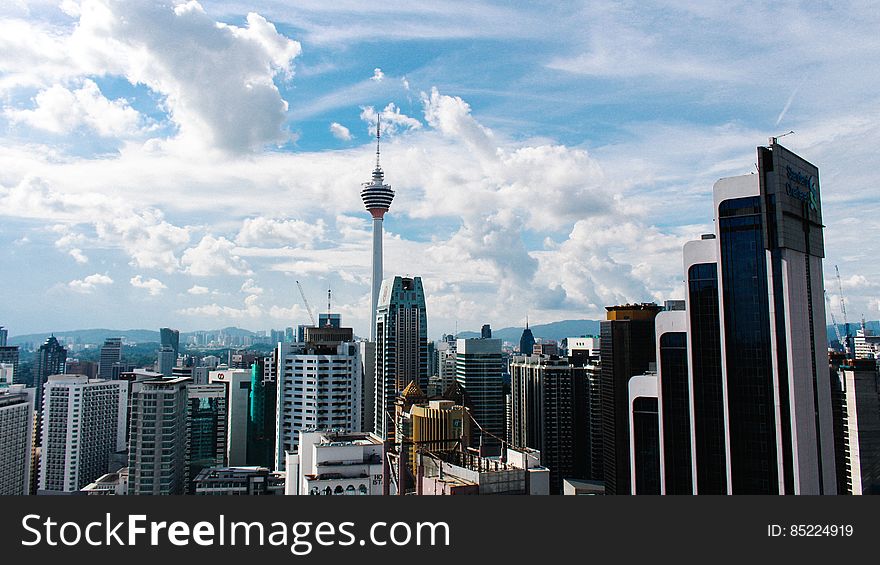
(536, 181)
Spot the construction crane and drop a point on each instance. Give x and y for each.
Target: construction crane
(306, 302)
(847, 347)
(834, 322)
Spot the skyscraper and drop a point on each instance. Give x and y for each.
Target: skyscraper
(111, 353)
(171, 338)
(49, 361)
(401, 347)
(261, 414)
(861, 394)
(159, 434)
(478, 372)
(377, 197)
(777, 390)
(83, 425)
(207, 429)
(549, 413)
(627, 349)
(526, 341)
(16, 439)
(645, 466)
(238, 385)
(673, 397)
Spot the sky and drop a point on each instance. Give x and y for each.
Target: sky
(183, 164)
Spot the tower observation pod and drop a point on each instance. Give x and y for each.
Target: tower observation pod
(377, 197)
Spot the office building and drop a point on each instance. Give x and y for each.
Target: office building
(644, 437)
(673, 397)
(207, 416)
(401, 346)
(478, 373)
(550, 413)
(170, 338)
(861, 389)
(7, 374)
(77, 367)
(9, 355)
(16, 439)
(238, 385)
(319, 387)
(83, 426)
(445, 352)
(867, 345)
(527, 341)
(239, 481)
(111, 484)
(486, 331)
(167, 361)
(157, 448)
(627, 348)
(111, 353)
(50, 360)
(331, 463)
(262, 404)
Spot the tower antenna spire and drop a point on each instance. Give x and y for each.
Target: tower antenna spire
(378, 137)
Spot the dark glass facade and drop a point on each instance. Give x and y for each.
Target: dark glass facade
(705, 324)
(753, 461)
(261, 418)
(676, 413)
(207, 436)
(646, 443)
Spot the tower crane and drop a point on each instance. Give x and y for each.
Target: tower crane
(848, 349)
(306, 302)
(834, 322)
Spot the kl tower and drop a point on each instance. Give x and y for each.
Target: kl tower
(377, 197)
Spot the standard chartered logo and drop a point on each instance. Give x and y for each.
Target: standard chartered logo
(810, 182)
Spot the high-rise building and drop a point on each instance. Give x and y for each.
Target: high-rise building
(238, 385)
(77, 367)
(627, 349)
(9, 355)
(645, 467)
(778, 406)
(708, 453)
(486, 331)
(206, 445)
(171, 338)
(526, 341)
(158, 438)
(673, 397)
(16, 439)
(550, 413)
(262, 405)
(377, 197)
(861, 394)
(239, 481)
(111, 353)
(478, 372)
(50, 360)
(327, 319)
(319, 387)
(401, 346)
(83, 426)
(167, 361)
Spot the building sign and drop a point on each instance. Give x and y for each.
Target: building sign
(803, 187)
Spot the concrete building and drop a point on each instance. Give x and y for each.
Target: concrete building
(330, 463)
(468, 473)
(866, 344)
(16, 438)
(478, 373)
(319, 388)
(239, 481)
(157, 452)
(377, 197)
(401, 346)
(111, 353)
(83, 426)
(550, 413)
(111, 484)
(237, 383)
(861, 387)
(627, 348)
(50, 360)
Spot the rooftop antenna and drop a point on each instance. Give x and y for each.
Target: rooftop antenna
(378, 137)
(328, 306)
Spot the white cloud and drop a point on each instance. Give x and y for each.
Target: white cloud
(341, 132)
(378, 75)
(153, 286)
(214, 256)
(250, 309)
(266, 231)
(90, 283)
(250, 287)
(198, 290)
(392, 119)
(78, 255)
(59, 110)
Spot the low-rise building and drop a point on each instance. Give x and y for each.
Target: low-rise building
(241, 481)
(331, 463)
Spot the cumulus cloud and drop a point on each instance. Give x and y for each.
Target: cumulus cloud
(153, 286)
(392, 120)
(250, 309)
(266, 231)
(341, 132)
(90, 283)
(59, 110)
(214, 256)
(250, 287)
(378, 75)
(198, 290)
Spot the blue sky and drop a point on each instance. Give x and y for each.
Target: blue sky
(183, 164)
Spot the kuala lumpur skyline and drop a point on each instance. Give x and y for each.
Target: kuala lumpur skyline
(130, 200)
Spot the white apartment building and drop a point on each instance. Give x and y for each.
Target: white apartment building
(16, 439)
(330, 463)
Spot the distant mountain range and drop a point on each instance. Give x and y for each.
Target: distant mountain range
(553, 330)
